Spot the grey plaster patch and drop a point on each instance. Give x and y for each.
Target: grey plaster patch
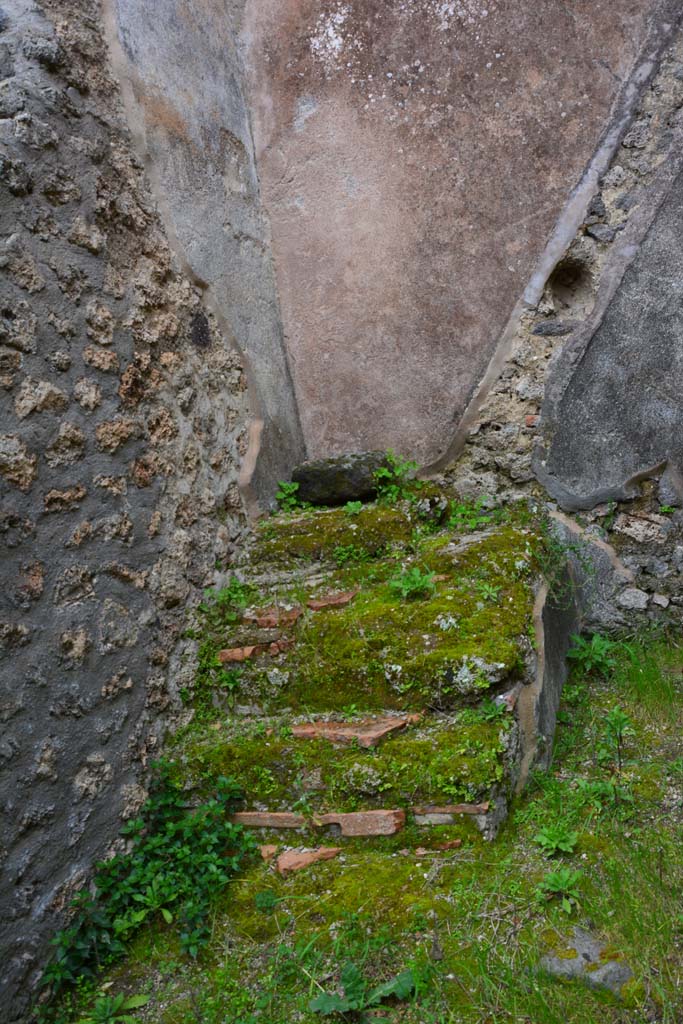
(612, 413)
(584, 960)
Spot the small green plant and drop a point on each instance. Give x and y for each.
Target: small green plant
(562, 883)
(617, 726)
(487, 591)
(353, 508)
(287, 496)
(412, 583)
(555, 557)
(599, 793)
(555, 839)
(178, 858)
(345, 554)
(469, 515)
(593, 655)
(114, 1009)
(396, 480)
(667, 510)
(488, 711)
(357, 994)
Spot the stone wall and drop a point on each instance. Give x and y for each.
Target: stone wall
(181, 80)
(586, 409)
(124, 419)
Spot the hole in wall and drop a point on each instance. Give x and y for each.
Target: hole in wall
(571, 286)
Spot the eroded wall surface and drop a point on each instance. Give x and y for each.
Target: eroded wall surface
(123, 419)
(180, 72)
(413, 159)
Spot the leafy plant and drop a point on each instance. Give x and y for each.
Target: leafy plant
(593, 655)
(114, 1009)
(666, 510)
(555, 557)
(487, 591)
(344, 554)
(353, 508)
(599, 793)
(178, 858)
(218, 612)
(287, 496)
(413, 583)
(396, 479)
(562, 883)
(617, 726)
(556, 839)
(358, 996)
(469, 515)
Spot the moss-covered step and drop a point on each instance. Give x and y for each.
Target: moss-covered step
(468, 634)
(370, 660)
(439, 760)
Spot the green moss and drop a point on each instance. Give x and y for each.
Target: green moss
(385, 908)
(429, 764)
(316, 535)
(383, 652)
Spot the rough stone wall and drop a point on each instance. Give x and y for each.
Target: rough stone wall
(123, 419)
(587, 406)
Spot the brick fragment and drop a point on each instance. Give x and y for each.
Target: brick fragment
(271, 618)
(316, 604)
(446, 815)
(367, 733)
(268, 819)
(295, 860)
(234, 654)
(365, 823)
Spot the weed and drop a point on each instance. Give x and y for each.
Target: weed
(556, 839)
(353, 508)
(666, 510)
(487, 591)
(562, 883)
(177, 859)
(617, 726)
(287, 496)
(114, 1009)
(554, 556)
(396, 480)
(469, 515)
(413, 583)
(344, 554)
(594, 655)
(357, 994)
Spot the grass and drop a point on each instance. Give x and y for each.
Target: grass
(471, 923)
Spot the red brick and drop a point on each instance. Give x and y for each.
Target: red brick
(368, 733)
(365, 823)
(332, 600)
(241, 653)
(446, 815)
(295, 860)
(271, 618)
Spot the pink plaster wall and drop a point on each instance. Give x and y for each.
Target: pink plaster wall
(413, 157)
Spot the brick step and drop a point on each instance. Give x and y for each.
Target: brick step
(367, 733)
(382, 822)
